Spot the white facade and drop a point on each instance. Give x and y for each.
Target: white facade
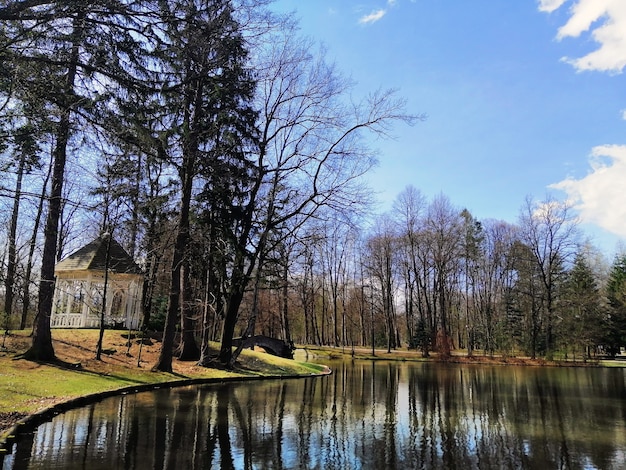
(78, 300)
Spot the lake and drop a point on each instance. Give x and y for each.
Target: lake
(366, 415)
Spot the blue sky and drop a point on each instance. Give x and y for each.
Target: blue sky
(522, 97)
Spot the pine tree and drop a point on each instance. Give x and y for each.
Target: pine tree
(205, 56)
(581, 325)
(616, 317)
(65, 55)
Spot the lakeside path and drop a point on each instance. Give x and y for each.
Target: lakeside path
(30, 392)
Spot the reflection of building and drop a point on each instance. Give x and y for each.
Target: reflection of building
(80, 286)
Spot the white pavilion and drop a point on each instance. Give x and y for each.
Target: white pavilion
(79, 287)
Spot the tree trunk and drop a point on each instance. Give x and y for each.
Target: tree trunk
(207, 312)
(251, 321)
(188, 349)
(164, 362)
(255, 308)
(238, 282)
(107, 258)
(230, 321)
(31, 250)
(212, 301)
(41, 348)
(285, 303)
(191, 124)
(9, 282)
(152, 265)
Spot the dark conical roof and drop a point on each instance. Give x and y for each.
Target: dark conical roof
(92, 257)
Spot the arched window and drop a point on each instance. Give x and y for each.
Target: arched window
(117, 304)
(78, 297)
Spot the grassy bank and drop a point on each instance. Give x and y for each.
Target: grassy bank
(458, 356)
(28, 387)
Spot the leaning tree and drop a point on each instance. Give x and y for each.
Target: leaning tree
(312, 151)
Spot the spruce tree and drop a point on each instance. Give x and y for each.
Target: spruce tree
(615, 336)
(581, 325)
(205, 57)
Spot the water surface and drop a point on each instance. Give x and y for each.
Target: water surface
(367, 415)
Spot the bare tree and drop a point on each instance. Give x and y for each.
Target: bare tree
(491, 277)
(312, 152)
(382, 267)
(549, 230)
(408, 212)
(444, 234)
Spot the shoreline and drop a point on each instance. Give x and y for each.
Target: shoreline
(31, 392)
(456, 357)
(116, 374)
(28, 422)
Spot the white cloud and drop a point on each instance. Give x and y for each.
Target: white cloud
(373, 17)
(606, 21)
(550, 5)
(600, 197)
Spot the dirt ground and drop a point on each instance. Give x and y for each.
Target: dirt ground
(78, 348)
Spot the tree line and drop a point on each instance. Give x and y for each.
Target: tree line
(534, 287)
(430, 276)
(224, 151)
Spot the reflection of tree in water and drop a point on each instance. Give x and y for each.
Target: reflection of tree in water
(22, 453)
(131, 457)
(391, 408)
(223, 428)
(366, 415)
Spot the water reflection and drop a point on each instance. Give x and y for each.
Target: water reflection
(367, 415)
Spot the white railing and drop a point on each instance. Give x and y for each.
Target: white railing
(66, 320)
(76, 320)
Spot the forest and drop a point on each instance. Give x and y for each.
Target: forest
(226, 153)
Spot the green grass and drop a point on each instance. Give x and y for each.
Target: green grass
(27, 387)
(24, 389)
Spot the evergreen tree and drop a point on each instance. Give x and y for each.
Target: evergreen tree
(581, 325)
(65, 55)
(616, 317)
(204, 54)
(63, 97)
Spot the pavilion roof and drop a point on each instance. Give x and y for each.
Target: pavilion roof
(92, 257)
